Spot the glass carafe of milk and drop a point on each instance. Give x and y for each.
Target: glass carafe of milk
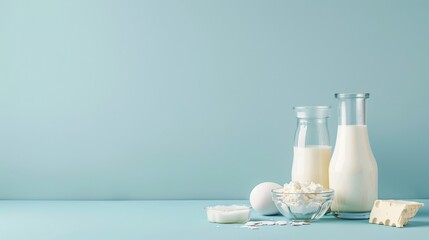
(353, 170)
(312, 151)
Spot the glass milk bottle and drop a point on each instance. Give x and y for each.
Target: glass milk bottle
(312, 152)
(353, 170)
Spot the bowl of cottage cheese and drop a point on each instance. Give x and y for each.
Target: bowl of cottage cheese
(302, 202)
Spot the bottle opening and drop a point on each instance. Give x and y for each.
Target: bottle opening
(351, 95)
(312, 111)
(351, 108)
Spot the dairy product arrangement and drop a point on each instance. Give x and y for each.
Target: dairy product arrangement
(301, 203)
(346, 182)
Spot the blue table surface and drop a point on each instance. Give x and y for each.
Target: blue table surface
(175, 220)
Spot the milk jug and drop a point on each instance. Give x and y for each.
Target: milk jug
(312, 152)
(353, 170)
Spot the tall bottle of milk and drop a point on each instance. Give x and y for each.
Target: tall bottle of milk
(353, 170)
(312, 151)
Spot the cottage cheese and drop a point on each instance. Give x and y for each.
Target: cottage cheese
(303, 187)
(303, 197)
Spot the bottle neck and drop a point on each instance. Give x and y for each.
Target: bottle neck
(312, 132)
(351, 111)
(312, 127)
(312, 121)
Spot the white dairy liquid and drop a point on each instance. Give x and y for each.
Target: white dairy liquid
(311, 164)
(353, 171)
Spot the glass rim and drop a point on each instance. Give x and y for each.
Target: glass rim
(300, 108)
(312, 111)
(351, 95)
(279, 191)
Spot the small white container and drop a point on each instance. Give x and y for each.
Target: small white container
(228, 213)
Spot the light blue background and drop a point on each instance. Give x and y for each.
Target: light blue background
(193, 99)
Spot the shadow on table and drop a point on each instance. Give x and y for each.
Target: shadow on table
(413, 224)
(334, 219)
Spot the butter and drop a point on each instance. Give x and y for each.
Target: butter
(395, 213)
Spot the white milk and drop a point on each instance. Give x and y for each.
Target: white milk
(311, 164)
(353, 171)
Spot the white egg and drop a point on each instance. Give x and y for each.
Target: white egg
(261, 198)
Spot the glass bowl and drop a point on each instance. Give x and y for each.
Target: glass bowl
(302, 207)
